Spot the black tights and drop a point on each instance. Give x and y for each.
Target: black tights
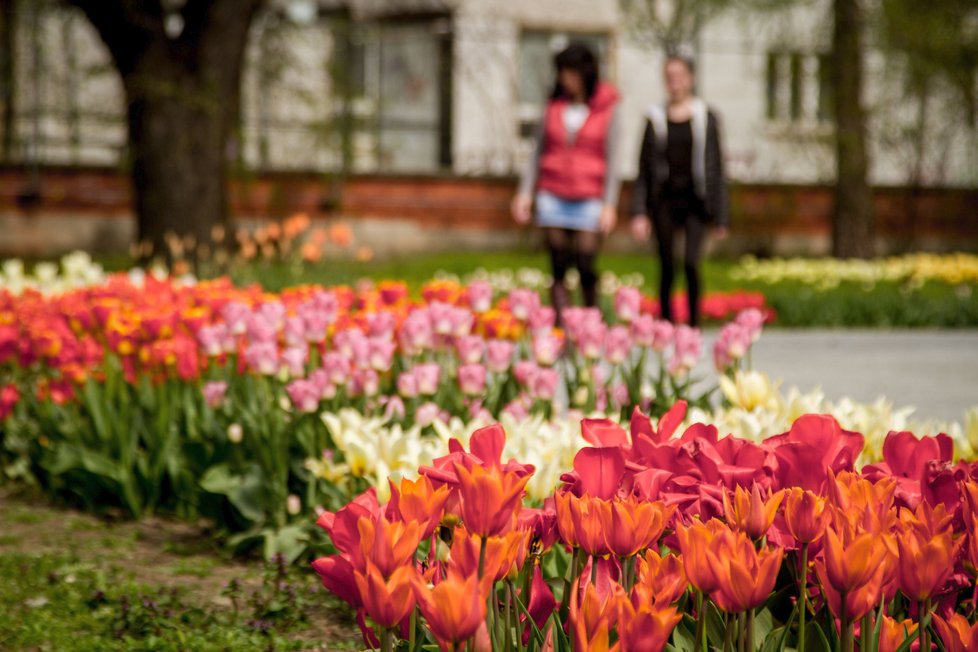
(568, 249)
(670, 218)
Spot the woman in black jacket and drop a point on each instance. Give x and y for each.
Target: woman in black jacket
(680, 184)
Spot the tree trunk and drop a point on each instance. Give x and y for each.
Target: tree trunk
(178, 148)
(852, 221)
(182, 92)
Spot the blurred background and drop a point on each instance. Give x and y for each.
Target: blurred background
(850, 125)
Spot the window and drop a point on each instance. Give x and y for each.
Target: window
(536, 71)
(798, 88)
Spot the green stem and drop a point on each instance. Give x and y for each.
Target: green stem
(386, 641)
(594, 570)
(922, 619)
(728, 634)
(700, 623)
(803, 598)
(749, 638)
(414, 628)
(866, 634)
(482, 557)
(507, 623)
(846, 626)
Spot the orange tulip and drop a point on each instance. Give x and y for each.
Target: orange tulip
(852, 571)
(862, 504)
(582, 521)
(746, 576)
(489, 498)
(591, 618)
(957, 634)
(749, 512)
(642, 626)
(694, 541)
(805, 515)
(387, 602)
(893, 633)
(419, 501)
(388, 545)
(454, 609)
(972, 549)
(662, 575)
(502, 554)
(925, 562)
(633, 525)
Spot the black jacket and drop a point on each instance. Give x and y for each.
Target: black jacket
(653, 172)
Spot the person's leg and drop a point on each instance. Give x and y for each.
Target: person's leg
(558, 245)
(696, 230)
(588, 244)
(664, 233)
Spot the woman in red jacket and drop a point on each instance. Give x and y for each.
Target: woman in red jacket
(572, 172)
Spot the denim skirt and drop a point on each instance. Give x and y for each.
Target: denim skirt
(575, 214)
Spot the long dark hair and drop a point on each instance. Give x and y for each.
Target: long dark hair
(579, 58)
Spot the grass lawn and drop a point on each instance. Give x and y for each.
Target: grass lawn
(69, 581)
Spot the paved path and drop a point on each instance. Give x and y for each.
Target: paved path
(934, 371)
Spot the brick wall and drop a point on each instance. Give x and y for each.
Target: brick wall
(90, 208)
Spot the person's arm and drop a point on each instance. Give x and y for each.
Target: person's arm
(523, 201)
(640, 193)
(612, 175)
(718, 188)
(528, 180)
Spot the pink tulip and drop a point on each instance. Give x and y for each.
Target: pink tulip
(546, 348)
(261, 328)
(544, 384)
(542, 320)
(262, 357)
(617, 344)
(472, 379)
(352, 344)
(591, 339)
(428, 376)
(327, 305)
(619, 394)
(381, 324)
(522, 302)
(643, 330)
(315, 321)
(688, 345)
(499, 355)
(442, 317)
(304, 395)
(416, 334)
(407, 384)
(294, 360)
(337, 366)
(628, 304)
(273, 312)
(214, 392)
(381, 353)
(752, 320)
(426, 414)
(365, 382)
(215, 339)
(479, 295)
(524, 371)
(294, 331)
(235, 315)
(663, 334)
(470, 349)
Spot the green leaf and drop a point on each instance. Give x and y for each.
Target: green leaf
(290, 541)
(243, 491)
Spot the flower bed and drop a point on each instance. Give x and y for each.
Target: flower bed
(659, 540)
